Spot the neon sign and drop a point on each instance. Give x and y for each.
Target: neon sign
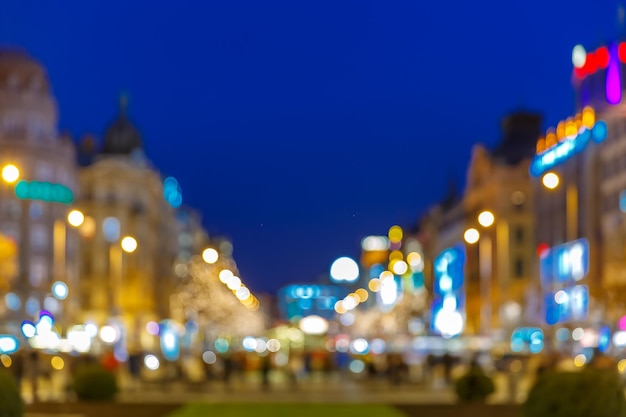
(567, 304)
(563, 263)
(569, 147)
(448, 301)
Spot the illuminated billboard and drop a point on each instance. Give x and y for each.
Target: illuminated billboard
(565, 263)
(448, 306)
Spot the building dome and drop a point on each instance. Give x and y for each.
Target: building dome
(20, 72)
(121, 136)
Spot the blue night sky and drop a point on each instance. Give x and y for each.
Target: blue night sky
(297, 128)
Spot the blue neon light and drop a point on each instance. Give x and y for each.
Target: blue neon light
(8, 344)
(449, 274)
(563, 263)
(527, 338)
(604, 339)
(571, 305)
(564, 150)
(449, 298)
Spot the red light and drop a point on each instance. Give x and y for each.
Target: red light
(591, 63)
(621, 52)
(579, 73)
(602, 57)
(542, 249)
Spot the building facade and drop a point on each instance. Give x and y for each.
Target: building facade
(498, 268)
(123, 195)
(33, 210)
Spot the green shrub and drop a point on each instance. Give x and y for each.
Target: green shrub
(93, 382)
(11, 404)
(474, 386)
(586, 393)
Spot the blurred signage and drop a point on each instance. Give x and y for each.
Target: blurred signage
(567, 304)
(448, 304)
(565, 263)
(44, 191)
(527, 339)
(569, 147)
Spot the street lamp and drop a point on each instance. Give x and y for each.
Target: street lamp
(210, 255)
(485, 255)
(10, 173)
(551, 181)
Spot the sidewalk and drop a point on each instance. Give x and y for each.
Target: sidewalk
(248, 388)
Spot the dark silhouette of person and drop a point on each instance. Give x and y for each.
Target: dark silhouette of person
(228, 370)
(448, 363)
(265, 371)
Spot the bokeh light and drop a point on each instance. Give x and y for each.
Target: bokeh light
(129, 244)
(210, 255)
(471, 235)
(395, 234)
(60, 290)
(344, 269)
(75, 218)
(10, 173)
(550, 180)
(486, 218)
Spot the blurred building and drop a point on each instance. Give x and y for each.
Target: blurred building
(33, 210)
(123, 195)
(589, 200)
(498, 264)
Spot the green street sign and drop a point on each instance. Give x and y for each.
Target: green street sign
(44, 191)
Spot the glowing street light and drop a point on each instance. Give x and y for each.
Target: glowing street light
(10, 173)
(210, 255)
(471, 236)
(75, 218)
(550, 180)
(129, 244)
(486, 218)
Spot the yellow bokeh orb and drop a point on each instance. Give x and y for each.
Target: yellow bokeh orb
(588, 117)
(550, 180)
(339, 307)
(395, 255)
(75, 218)
(129, 244)
(210, 255)
(10, 173)
(395, 234)
(374, 285)
(580, 360)
(471, 236)
(385, 275)
(362, 294)
(57, 363)
(486, 218)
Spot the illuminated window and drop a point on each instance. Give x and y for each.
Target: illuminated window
(35, 210)
(38, 271)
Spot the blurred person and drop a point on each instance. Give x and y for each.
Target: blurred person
(448, 364)
(32, 371)
(295, 368)
(17, 368)
(134, 368)
(266, 365)
(227, 369)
